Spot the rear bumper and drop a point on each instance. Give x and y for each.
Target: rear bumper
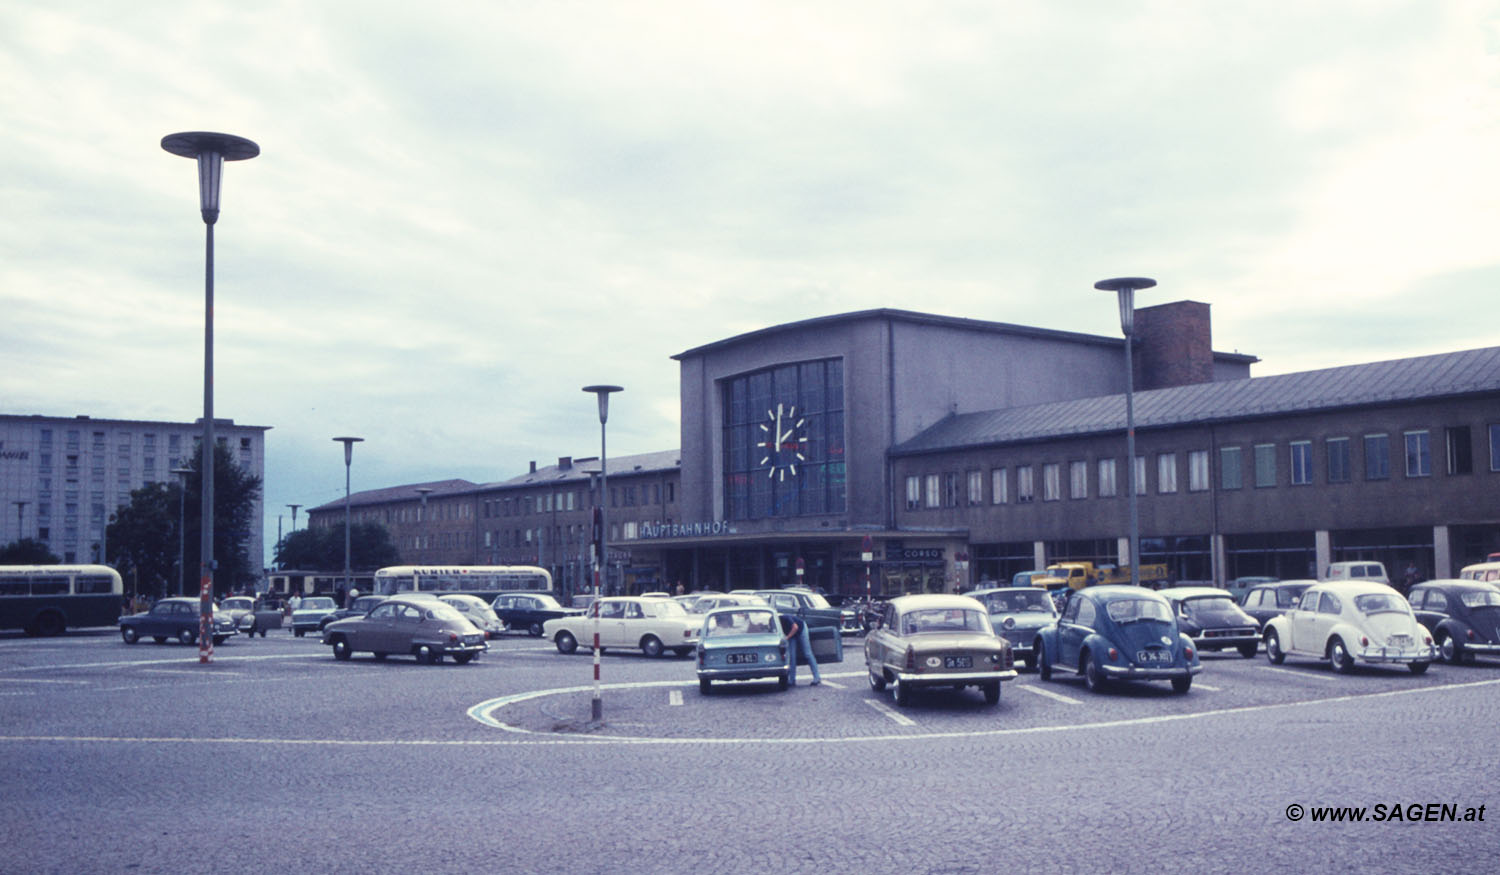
(949, 678)
(1387, 655)
(1132, 672)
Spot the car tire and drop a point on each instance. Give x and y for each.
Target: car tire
(299, 632)
(1339, 658)
(1451, 648)
(1182, 685)
(380, 657)
(1248, 650)
(901, 692)
(341, 648)
(566, 643)
(535, 629)
(220, 639)
(706, 686)
(992, 693)
(651, 646)
(1274, 654)
(187, 636)
(781, 682)
(464, 658)
(1418, 667)
(427, 656)
(877, 681)
(159, 639)
(1093, 676)
(1043, 665)
(129, 634)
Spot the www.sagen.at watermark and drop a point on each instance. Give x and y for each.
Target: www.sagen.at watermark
(1397, 812)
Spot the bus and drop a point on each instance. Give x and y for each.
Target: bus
(48, 599)
(484, 581)
(286, 583)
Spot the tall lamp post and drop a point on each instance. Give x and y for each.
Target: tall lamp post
(20, 519)
(422, 513)
(210, 150)
(182, 472)
(602, 557)
(348, 443)
(1124, 288)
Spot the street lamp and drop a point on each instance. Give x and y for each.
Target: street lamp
(348, 443)
(211, 151)
(1124, 287)
(294, 515)
(182, 472)
(422, 513)
(20, 519)
(602, 541)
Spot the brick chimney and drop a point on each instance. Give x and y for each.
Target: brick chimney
(564, 463)
(1173, 345)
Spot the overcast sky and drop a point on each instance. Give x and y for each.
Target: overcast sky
(463, 212)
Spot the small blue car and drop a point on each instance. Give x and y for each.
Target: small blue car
(1117, 633)
(741, 643)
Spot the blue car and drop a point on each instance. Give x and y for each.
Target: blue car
(741, 643)
(1112, 632)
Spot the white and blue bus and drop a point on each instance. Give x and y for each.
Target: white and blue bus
(48, 599)
(484, 581)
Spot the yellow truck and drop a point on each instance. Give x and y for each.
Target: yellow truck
(1080, 574)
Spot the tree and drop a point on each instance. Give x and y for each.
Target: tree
(322, 548)
(143, 536)
(27, 551)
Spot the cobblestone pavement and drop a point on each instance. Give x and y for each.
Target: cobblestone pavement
(121, 758)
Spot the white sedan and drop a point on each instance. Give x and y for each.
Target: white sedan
(1346, 622)
(652, 624)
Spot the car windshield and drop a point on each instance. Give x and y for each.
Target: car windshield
(1287, 597)
(944, 620)
(750, 622)
(1211, 608)
(238, 604)
(443, 611)
(1380, 603)
(1489, 599)
(1131, 610)
(547, 603)
(666, 608)
(1020, 601)
(317, 604)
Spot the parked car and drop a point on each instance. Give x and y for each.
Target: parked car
(1024, 578)
(358, 608)
(1241, 586)
(241, 612)
(477, 611)
(426, 628)
(308, 615)
(1209, 616)
(527, 611)
(1462, 615)
(937, 640)
(653, 625)
(741, 643)
(817, 613)
(1359, 570)
(703, 604)
(1273, 599)
(1017, 613)
(1118, 632)
(1348, 622)
(1488, 571)
(176, 617)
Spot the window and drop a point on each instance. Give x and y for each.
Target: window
(976, 487)
(1231, 467)
(1107, 485)
(1338, 460)
(1418, 454)
(1494, 447)
(1265, 465)
(1166, 472)
(1051, 481)
(1459, 452)
(799, 470)
(1078, 479)
(950, 489)
(999, 493)
(1198, 471)
(1140, 475)
(913, 492)
(934, 498)
(1301, 462)
(1025, 488)
(1377, 456)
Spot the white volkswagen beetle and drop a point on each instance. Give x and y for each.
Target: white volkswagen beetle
(1346, 622)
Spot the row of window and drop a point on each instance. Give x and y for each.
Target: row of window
(950, 490)
(561, 536)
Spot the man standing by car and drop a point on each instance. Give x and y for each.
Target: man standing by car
(794, 630)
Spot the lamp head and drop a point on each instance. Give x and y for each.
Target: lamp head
(603, 392)
(348, 443)
(1124, 287)
(211, 151)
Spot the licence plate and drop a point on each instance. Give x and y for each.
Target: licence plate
(742, 658)
(1153, 657)
(958, 662)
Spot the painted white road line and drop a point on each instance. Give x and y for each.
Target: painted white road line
(195, 672)
(890, 712)
(1301, 674)
(41, 681)
(835, 684)
(1198, 686)
(674, 697)
(1049, 694)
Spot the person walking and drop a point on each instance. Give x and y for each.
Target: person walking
(794, 630)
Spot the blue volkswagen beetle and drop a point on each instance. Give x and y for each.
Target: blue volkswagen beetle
(1117, 633)
(741, 643)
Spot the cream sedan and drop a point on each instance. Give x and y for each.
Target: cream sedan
(936, 640)
(652, 624)
(1346, 622)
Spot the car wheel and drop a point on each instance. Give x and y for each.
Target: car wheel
(186, 636)
(1043, 665)
(341, 648)
(1273, 648)
(427, 656)
(220, 639)
(651, 646)
(1093, 676)
(380, 657)
(877, 681)
(781, 682)
(901, 692)
(159, 639)
(706, 686)
(992, 693)
(299, 632)
(1248, 650)
(1418, 667)
(566, 643)
(50, 625)
(129, 634)
(535, 629)
(464, 658)
(1452, 649)
(1339, 658)
(1182, 685)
